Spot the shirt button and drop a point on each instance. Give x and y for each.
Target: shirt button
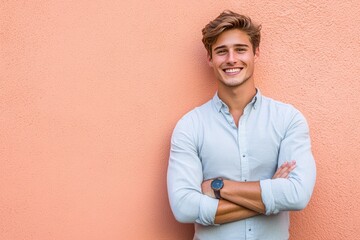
(249, 229)
(244, 155)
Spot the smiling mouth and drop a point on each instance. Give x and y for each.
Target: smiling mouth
(232, 70)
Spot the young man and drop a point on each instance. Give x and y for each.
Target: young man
(240, 162)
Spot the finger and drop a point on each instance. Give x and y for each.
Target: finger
(283, 169)
(280, 170)
(287, 173)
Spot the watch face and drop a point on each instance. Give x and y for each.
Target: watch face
(217, 184)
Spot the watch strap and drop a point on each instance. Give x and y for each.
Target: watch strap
(217, 194)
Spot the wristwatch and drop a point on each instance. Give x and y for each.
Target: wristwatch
(217, 184)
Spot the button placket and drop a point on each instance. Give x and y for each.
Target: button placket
(243, 149)
(249, 229)
(228, 116)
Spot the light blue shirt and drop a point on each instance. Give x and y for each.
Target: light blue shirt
(206, 143)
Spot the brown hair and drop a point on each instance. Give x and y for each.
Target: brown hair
(228, 20)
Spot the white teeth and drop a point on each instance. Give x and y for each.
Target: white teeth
(232, 70)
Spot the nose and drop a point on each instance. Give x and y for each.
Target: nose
(231, 58)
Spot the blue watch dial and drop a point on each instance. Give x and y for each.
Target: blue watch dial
(217, 184)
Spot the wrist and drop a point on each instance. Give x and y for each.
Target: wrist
(217, 184)
(229, 188)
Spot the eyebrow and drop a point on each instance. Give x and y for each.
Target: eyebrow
(235, 45)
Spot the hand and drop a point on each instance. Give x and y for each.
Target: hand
(206, 188)
(285, 169)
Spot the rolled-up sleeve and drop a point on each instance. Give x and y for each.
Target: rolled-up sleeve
(184, 177)
(295, 192)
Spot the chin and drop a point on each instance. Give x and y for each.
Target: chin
(234, 84)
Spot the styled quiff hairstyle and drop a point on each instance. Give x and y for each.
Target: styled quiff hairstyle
(228, 20)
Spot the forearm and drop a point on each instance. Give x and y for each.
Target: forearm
(249, 194)
(244, 194)
(230, 212)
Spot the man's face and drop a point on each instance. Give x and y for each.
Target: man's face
(233, 58)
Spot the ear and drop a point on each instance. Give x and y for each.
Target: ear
(209, 59)
(257, 54)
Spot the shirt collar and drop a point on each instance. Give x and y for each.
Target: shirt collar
(217, 102)
(254, 102)
(256, 99)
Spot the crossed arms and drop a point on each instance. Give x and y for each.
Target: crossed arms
(240, 200)
(191, 197)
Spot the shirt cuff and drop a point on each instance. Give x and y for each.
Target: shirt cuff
(207, 211)
(268, 197)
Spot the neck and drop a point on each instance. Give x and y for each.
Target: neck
(236, 98)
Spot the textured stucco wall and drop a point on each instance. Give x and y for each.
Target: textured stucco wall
(91, 90)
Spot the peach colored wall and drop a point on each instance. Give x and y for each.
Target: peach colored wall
(91, 90)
